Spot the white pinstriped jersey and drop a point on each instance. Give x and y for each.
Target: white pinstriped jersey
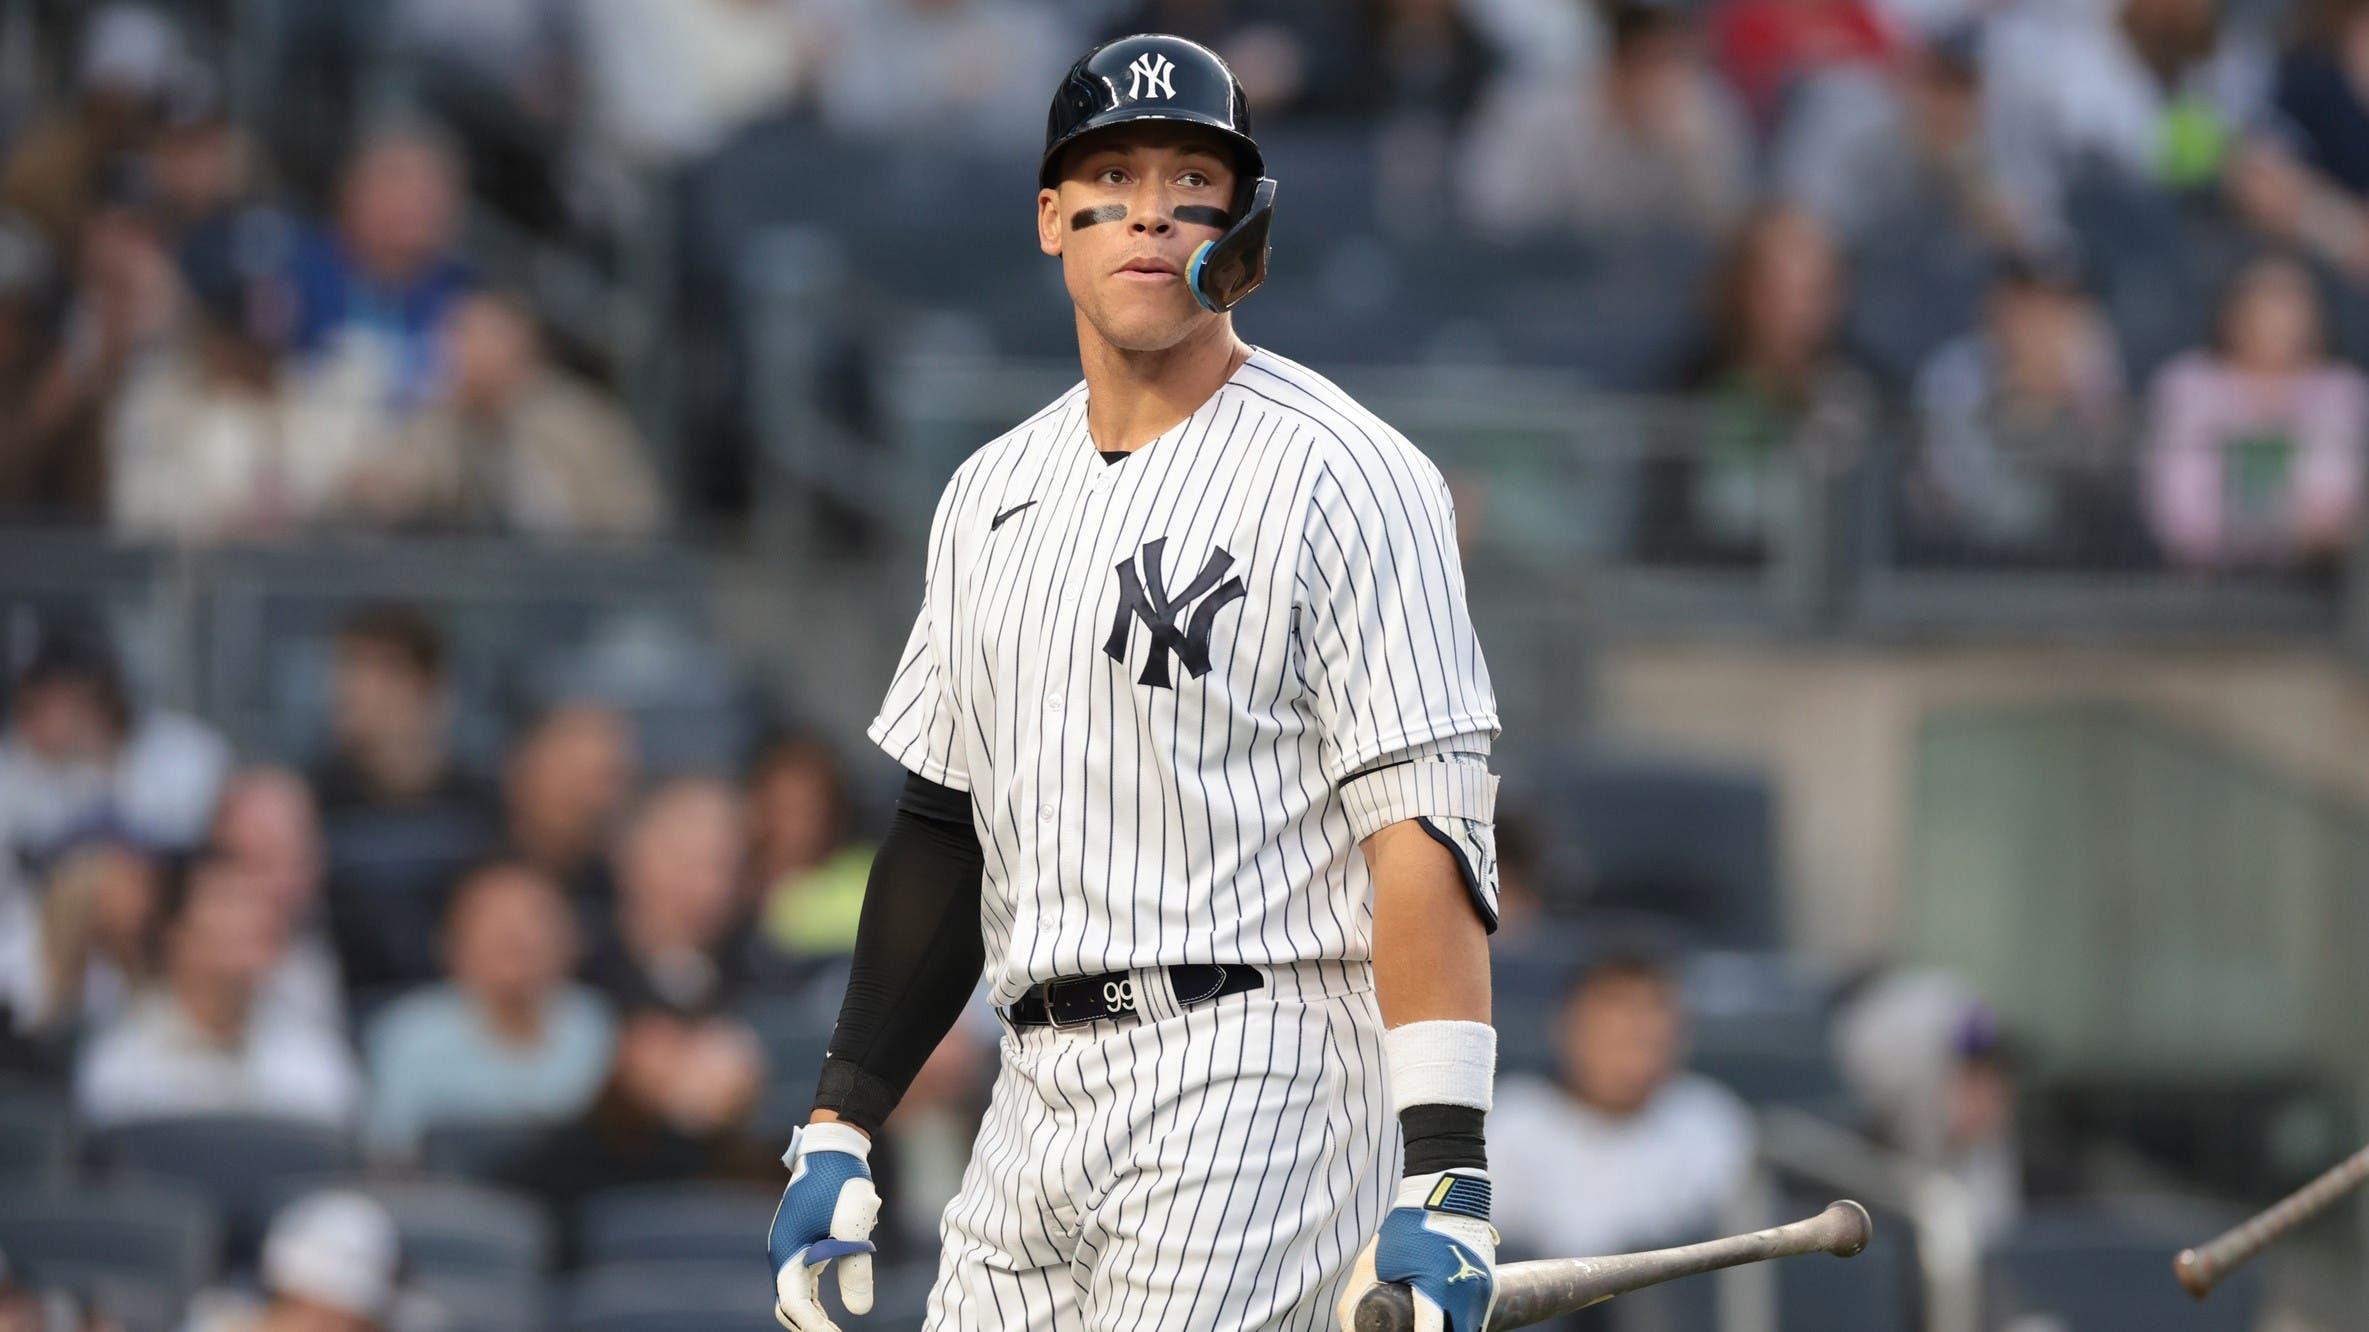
(1153, 675)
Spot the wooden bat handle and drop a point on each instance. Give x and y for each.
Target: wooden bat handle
(2203, 1267)
(1534, 1292)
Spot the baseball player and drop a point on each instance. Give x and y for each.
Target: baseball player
(1196, 730)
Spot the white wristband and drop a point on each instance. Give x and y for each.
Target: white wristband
(1441, 1063)
(828, 1136)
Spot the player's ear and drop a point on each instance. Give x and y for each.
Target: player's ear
(1048, 221)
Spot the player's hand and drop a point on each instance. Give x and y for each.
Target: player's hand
(1439, 1244)
(826, 1216)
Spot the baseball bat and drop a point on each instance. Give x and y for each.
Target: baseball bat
(1534, 1292)
(2203, 1267)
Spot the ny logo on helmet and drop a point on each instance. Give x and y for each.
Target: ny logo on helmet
(1152, 75)
(1146, 597)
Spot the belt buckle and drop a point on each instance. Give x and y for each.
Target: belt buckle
(1118, 997)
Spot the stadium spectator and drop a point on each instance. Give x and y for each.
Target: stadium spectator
(1777, 401)
(52, 395)
(1647, 142)
(950, 72)
(666, 85)
(332, 1262)
(1625, 1150)
(98, 911)
(391, 718)
(2305, 179)
(202, 164)
(2021, 420)
(512, 444)
(402, 816)
(1769, 48)
(508, 1038)
(372, 297)
(2254, 451)
(2148, 92)
(2322, 96)
(563, 786)
(60, 169)
(677, 1106)
(675, 942)
(77, 756)
(810, 877)
(203, 1041)
(1872, 150)
(1923, 1052)
(218, 437)
(269, 828)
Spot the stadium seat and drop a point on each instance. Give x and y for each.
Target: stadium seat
(672, 1297)
(466, 1150)
(141, 1237)
(673, 1222)
(2088, 1265)
(35, 1138)
(242, 1164)
(1663, 837)
(468, 1231)
(483, 1304)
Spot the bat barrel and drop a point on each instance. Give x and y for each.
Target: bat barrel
(2203, 1267)
(1534, 1292)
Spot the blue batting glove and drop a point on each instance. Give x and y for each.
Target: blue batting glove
(1439, 1244)
(826, 1216)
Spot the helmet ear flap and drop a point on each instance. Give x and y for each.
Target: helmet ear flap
(1225, 270)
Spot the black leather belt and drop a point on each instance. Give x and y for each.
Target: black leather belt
(1073, 1001)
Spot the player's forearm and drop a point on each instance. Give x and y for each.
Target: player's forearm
(1431, 950)
(917, 957)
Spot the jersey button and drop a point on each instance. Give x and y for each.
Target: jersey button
(1045, 812)
(1053, 703)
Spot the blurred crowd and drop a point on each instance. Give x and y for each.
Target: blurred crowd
(190, 351)
(553, 973)
(224, 328)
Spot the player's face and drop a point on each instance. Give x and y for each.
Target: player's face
(1132, 206)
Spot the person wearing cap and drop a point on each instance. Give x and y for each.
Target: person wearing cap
(78, 757)
(132, 57)
(332, 1262)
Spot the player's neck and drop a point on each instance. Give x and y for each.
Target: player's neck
(1134, 397)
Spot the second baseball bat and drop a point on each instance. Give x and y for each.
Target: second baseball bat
(2202, 1268)
(1534, 1292)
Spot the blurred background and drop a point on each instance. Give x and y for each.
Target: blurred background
(462, 473)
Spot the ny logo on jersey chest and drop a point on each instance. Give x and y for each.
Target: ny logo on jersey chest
(1144, 596)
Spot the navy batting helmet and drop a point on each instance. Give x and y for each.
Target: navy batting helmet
(1153, 76)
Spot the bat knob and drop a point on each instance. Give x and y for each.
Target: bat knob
(1853, 1228)
(2194, 1273)
(1388, 1307)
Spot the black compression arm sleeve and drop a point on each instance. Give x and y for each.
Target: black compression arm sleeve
(917, 955)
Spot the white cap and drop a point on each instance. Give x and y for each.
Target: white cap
(337, 1248)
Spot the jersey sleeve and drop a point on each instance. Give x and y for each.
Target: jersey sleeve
(918, 721)
(1387, 647)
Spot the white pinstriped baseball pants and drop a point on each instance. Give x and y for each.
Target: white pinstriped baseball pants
(1213, 1169)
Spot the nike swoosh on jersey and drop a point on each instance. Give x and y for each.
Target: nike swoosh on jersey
(998, 520)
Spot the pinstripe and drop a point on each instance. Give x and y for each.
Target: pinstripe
(1216, 1167)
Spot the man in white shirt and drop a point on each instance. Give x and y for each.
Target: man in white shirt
(202, 1043)
(1625, 1150)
